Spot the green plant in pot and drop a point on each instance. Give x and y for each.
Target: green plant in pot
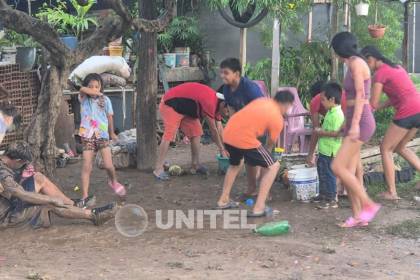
(25, 48)
(70, 26)
(183, 32)
(376, 30)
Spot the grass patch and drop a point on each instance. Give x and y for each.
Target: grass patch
(406, 229)
(405, 190)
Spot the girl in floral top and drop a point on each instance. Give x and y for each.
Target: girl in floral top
(96, 128)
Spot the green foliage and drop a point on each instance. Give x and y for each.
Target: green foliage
(279, 8)
(260, 71)
(12, 38)
(299, 67)
(183, 31)
(383, 120)
(67, 23)
(390, 14)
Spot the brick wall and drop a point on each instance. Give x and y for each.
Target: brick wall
(24, 88)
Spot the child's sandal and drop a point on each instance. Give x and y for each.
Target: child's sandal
(118, 188)
(353, 222)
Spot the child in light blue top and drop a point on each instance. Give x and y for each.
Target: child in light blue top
(96, 117)
(96, 128)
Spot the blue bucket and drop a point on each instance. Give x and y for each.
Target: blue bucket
(70, 42)
(223, 164)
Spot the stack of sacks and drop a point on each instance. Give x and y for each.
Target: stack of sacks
(113, 69)
(124, 151)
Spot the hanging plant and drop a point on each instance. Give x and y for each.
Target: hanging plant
(376, 30)
(362, 8)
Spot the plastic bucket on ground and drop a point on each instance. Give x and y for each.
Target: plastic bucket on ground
(304, 182)
(223, 164)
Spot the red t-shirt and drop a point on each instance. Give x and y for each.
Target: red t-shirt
(399, 88)
(316, 105)
(193, 99)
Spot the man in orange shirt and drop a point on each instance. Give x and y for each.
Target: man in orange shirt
(241, 142)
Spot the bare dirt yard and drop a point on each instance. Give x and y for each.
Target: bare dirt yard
(315, 248)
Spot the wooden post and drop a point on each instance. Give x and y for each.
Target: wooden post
(242, 48)
(310, 22)
(405, 38)
(275, 61)
(147, 87)
(334, 30)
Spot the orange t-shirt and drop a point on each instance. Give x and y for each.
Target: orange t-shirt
(253, 121)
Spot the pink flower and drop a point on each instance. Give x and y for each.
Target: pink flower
(94, 123)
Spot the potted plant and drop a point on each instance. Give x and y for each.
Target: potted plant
(376, 30)
(26, 53)
(71, 27)
(183, 35)
(20, 48)
(362, 8)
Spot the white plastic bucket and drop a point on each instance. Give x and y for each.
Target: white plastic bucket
(362, 9)
(304, 182)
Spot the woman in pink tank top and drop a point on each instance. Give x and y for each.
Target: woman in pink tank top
(402, 94)
(360, 126)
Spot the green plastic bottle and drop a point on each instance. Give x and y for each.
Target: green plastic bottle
(273, 228)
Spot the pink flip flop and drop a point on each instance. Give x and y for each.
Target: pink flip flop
(353, 222)
(369, 213)
(118, 188)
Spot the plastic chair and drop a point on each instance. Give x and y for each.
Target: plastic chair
(263, 87)
(294, 128)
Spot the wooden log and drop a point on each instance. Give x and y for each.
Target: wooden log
(376, 150)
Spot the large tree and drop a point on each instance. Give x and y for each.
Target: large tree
(60, 60)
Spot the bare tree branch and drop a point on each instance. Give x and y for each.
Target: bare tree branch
(158, 24)
(111, 29)
(120, 9)
(42, 32)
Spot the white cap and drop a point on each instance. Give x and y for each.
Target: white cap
(220, 96)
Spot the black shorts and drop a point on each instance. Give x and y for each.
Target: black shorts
(253, 157)
(409, 122)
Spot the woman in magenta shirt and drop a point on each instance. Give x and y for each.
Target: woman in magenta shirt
(402, 94)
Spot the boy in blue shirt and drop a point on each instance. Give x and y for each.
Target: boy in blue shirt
(240, 91)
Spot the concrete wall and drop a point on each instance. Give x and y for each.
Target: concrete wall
(222, 39)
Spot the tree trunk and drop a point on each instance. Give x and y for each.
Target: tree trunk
(147, 92)
(405, 39)
(40, 134)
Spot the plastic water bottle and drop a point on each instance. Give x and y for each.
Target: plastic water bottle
(278, 153)
(249, 202)
(273, 228)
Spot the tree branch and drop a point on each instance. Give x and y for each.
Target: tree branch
(111, 29)
(42, 32)
(120, 9)
(159, 24)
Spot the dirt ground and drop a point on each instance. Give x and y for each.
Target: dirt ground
(314, 249)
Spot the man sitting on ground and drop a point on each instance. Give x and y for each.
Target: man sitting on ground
(28, 199)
